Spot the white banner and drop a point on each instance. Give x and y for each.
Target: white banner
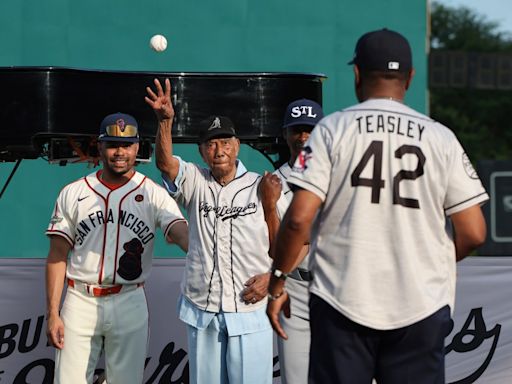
(479, 347)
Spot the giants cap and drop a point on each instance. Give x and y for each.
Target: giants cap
(302, 112)
(383, 50)
(215, 127)
(119, 127)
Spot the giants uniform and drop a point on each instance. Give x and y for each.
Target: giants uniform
(387, 176)
(112, 234)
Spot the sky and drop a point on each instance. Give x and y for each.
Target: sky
(499, 11)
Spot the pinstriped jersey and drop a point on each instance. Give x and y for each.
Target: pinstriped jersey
(112, 232)
(388, 176)
(228, 237)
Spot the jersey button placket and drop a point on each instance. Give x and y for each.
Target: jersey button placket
(112, 246)
(223, 262)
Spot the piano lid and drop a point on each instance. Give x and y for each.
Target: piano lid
(48, 101)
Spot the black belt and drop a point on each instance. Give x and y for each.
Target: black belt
(301, 274)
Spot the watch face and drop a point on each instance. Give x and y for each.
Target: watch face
(279, 274)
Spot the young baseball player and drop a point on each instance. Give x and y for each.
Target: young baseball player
(299, 120)
(229, 335)
(106, 222)
(382, 177)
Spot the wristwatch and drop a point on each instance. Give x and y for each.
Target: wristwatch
(279, 274)
(276, 296)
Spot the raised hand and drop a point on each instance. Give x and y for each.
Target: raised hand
(161, 100)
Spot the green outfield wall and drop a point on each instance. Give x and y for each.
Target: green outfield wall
(203, 36)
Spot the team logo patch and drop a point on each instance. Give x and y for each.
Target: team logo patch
(301, 163)
(468, 167)
(130, 264)
(394, 65)
(121, 124)
(56, 219)
(215, 124)
(139, 198)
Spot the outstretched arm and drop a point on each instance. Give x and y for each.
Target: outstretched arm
(164, 111)
(55, 276)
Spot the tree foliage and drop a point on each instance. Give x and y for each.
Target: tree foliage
(480, 118)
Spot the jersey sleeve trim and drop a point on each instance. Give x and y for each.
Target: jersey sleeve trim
(478, 199)
(55, 232)
(170, 225)
(308, 186)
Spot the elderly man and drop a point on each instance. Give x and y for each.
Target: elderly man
(226, 275)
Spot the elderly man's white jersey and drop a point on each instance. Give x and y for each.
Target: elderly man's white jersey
(228, 238)
(112, 231)
(387, 176)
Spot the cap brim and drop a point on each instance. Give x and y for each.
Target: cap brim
(295, 123)
(216, 136)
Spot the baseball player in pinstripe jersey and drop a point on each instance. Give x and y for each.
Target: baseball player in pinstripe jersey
(299, 119)
(106, 221)
(383, 179)
(229, 335)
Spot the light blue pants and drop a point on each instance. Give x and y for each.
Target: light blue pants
(217, 358)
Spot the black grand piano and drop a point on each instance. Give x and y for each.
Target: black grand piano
(54, 112)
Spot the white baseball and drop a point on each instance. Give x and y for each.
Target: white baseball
(158, 43)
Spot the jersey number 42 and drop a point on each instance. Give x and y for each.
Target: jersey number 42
(376, 183)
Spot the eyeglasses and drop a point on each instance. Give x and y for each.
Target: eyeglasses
(126, 131)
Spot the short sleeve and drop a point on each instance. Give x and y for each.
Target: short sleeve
(168, 212)
(464, 186)
(172, 186)
(312, 169)
(183, 187)
(61, 223)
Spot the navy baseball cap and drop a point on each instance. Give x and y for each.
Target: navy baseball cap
(383, 50)
(302, 112)
(216, 127)
(119, 127)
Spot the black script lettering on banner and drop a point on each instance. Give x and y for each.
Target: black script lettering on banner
(471, 338)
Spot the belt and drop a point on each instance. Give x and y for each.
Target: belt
(99, 290)
(301, 274)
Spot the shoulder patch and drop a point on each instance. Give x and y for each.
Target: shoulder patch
(56, 219)
(301, 163)
(468, 167)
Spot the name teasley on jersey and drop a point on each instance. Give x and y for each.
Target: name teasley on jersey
(390, 124)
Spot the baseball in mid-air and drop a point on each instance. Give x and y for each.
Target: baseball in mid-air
(158, 43)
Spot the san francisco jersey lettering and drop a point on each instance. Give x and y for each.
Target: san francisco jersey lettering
(103, 251)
